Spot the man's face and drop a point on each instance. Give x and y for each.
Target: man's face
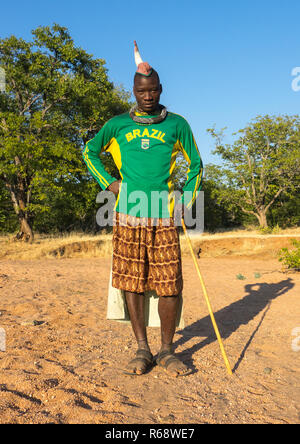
(147, 91)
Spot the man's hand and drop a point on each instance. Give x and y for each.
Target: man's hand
(114, 187)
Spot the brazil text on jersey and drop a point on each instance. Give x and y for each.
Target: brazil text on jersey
(155, 134)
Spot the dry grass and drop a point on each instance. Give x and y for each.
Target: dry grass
(68, 245)
(237, 242)
(251, 231)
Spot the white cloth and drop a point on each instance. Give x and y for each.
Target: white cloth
(117, 307)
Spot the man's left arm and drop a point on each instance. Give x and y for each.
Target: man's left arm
(195, 172)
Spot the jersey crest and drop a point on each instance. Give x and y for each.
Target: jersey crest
(145, 144)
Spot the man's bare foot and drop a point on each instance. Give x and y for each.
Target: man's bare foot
(140, 364)
(171, 363)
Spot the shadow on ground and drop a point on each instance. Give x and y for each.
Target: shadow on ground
(258, 298)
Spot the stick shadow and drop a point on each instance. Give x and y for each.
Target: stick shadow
(259, 297)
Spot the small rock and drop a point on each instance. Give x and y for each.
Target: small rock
(52, 383)
(268, 370)
(168, 418)
(37, 364)
(31, 322)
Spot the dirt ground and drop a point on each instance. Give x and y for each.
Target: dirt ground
(63, 360)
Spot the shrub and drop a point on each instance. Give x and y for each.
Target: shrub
(270, 230)
(291, 258)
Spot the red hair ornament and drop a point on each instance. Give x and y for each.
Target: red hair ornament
(143, 68)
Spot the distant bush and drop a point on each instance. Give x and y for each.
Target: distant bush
(270, 230)
(291, 258)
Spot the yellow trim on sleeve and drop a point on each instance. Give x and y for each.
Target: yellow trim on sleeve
(115, 151)
(117, 201)
(198, 176)
(195, 189)
(92, 167)
(171, 186)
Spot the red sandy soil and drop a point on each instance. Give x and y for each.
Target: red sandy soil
(68, 367)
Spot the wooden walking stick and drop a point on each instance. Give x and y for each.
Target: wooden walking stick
(207, 301)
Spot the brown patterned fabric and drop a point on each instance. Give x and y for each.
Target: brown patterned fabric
(146, 255)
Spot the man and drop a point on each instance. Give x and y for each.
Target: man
(144, 144)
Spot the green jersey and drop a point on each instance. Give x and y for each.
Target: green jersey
(145, 156)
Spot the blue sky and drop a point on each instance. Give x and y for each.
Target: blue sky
(221, 63)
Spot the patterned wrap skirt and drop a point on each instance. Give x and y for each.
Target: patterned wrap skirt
(146, 255)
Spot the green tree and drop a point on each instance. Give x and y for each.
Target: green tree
(7, 215)
(286, 211)
(57, 97)
(218, 213)
(261, 165)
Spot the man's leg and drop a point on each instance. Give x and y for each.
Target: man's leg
(167, 309)
(135, 305)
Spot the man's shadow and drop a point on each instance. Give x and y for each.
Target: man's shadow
(258, 297)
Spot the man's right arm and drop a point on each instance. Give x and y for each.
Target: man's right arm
(91, 152)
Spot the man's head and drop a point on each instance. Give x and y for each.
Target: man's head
(147, 91)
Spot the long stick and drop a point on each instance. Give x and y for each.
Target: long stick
(207, 302)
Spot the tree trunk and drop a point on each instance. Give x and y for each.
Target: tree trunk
(262, 218)
(25, 231)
